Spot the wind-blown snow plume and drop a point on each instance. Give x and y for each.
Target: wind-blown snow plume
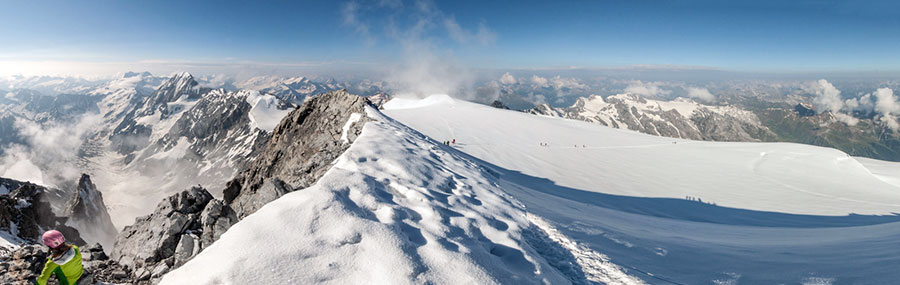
(417, 30)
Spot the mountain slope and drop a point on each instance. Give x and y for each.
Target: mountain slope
(683, 212)
(396, 208)
(680, 118)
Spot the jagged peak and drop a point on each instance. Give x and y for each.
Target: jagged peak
(182, 75)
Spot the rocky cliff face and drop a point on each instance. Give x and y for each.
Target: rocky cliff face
(301, 149)
(181, 86)
(133, 131)
(26, 213)
(88, 212)
(206, 144)
(181, 226)
(680, 118)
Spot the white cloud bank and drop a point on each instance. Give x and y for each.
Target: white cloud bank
(50, 156)
(882, 102)
(701, 94)
(646, 89)
(507, 79)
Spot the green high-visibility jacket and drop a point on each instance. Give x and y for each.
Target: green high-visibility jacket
(66, 267)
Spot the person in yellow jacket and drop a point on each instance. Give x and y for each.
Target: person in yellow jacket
(64, 260)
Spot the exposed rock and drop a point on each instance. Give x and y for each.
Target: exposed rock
(154, 238)
(26, 213)
(182, 85)
(215, 219)
(207, 143)
(129, 136)
(186, 248)
(301, 149)
(805, 110)
(379, 99)
(93, 253)
(23, 265)
(88, 212)
(499, 105)
(171, 235)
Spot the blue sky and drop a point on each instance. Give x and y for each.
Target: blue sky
(767, 36)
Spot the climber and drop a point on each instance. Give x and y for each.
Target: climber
(64, 260)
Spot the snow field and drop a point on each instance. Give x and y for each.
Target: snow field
(396, 208)
(758, 213)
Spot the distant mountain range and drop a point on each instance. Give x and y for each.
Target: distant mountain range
(687, 119)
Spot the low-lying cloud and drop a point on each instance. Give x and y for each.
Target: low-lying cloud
(50, 155)
(883, 103)
(701, 94)
(646, 89)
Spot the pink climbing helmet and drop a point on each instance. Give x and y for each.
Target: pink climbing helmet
(53, 238)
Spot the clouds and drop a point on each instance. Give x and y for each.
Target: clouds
(883, 103)
(427, 65)
(886, 102)
(538, 81)
(350, 15)
(701, 94)
(888, 107)
(482, 35)
(828, 98)
(419, 21)
(51, 151)
(507, 79)
(648, 89)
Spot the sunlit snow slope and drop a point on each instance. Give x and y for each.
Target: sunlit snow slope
(397, 208)
(757, 213)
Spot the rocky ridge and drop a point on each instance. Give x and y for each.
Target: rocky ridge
(302, 148)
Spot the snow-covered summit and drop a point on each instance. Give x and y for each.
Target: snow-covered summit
(396, 208)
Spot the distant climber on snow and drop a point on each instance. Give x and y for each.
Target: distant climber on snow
(64, 260)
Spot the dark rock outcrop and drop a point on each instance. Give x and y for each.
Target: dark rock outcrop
(180, 227)
(28, 211)
(23, 265)
(378, 100)
(88, 212)
(499, 105)
(301, 149)
(805, 110)
(150, 243)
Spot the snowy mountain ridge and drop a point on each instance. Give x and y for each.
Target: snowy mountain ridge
(679, 118)
(396, 208)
